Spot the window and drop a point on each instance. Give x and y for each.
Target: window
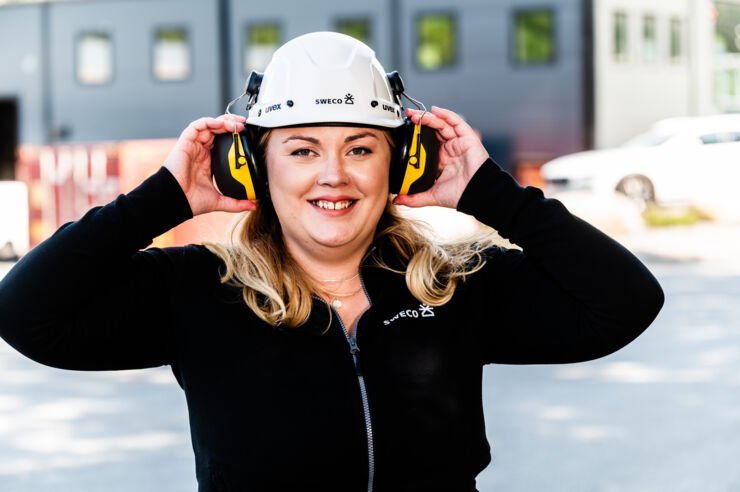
(716, 138)
(649, 42)
(620, 36)
(262, 41)
(357, 28)
(534, 37)
(436, 42)
(171, 58)
(94, 57)
(727, 35)
(676, 41)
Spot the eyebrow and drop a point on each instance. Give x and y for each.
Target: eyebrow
(316, 141)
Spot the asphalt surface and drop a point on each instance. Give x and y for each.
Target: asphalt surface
(663, 414)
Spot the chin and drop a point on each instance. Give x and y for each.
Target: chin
(335, 240)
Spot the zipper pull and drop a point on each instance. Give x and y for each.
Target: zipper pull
(353, 345)
(355, 351)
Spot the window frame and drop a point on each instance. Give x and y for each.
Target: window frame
(76, 58)
(246, 27)
(453, 15)
(365, 18)
(191, 64)
(617, 56)
(672, 22)
(656, 50)
(512, 48)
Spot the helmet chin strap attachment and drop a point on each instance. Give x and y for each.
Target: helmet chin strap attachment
(251, 89)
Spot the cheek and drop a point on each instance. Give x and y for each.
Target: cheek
(376, 181)
(284, 190)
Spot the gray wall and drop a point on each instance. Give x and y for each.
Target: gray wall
(21, 75)
(538, 108)
(531, 112)
(135, 104)
(300, 17)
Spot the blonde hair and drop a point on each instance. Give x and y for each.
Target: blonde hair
(279, 291)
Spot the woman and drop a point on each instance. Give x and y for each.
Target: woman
(330, 346)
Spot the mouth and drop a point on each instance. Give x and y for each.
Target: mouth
(330, 205)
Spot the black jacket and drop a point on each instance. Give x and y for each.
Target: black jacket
(282, 409)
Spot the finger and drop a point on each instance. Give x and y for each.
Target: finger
(430, 120)
(232, 117)
(228, 204)
(227, 125)
(205, 123)
(422, 199)
(205, 138)
(450, 117)
(454, 120)
(202, 130)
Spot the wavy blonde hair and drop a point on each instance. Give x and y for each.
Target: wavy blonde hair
(279, 291)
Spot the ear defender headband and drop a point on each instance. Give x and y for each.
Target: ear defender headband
(239, 174)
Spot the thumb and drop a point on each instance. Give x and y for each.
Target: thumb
(228, 204)
(422, 199)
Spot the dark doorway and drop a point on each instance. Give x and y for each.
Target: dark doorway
(8, 137)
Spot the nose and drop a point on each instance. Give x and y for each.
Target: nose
(333, 172)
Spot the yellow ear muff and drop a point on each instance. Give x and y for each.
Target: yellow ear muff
(238, 166)
(416, 162)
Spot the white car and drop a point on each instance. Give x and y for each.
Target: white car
(689, 160)
(13, 220)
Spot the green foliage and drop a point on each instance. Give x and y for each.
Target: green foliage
(264, 34)
(534, 37)
(172, 35)
(357, 28)
(658, 216)
(437, 41)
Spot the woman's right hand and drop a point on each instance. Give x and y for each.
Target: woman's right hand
(190, 163)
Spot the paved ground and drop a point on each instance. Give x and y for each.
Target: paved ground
(661, 415)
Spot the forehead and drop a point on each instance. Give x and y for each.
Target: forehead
(323, 133)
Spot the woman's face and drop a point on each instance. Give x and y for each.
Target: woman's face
(328, 184)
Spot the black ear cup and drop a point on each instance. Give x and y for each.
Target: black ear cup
(416, 160)
(234, 167)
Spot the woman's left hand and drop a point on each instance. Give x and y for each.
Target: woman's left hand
(461, 153)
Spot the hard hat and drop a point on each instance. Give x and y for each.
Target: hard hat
(325, 77)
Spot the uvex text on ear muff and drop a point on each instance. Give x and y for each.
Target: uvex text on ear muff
(322, 78)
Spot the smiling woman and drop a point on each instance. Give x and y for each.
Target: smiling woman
(330, 344)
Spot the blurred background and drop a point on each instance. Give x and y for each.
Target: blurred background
(622, 109)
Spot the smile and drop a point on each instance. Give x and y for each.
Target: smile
(327, 205)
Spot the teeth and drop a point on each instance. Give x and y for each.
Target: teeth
(327, 205)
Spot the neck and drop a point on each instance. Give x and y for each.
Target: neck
(328, 263)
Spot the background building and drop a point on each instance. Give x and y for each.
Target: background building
(538, 79)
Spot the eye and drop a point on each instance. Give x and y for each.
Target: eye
(360, 151)
(301, 153)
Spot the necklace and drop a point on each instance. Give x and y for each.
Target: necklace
(336, 302)
(341, 279)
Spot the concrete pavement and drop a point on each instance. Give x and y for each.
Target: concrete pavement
(661, 415)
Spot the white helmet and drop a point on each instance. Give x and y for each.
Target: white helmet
(324, 77)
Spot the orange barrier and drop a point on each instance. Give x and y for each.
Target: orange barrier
(528, 173)
(66, 180)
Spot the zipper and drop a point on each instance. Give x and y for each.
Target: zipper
(354, 350)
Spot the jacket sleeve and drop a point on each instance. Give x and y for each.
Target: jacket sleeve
(571, 294)
(87, 298)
